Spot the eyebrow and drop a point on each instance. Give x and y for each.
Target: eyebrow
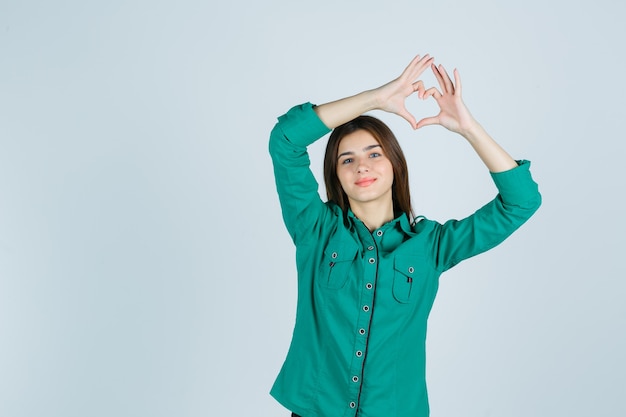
(367, 148)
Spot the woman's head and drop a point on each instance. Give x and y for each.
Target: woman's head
(390, 148)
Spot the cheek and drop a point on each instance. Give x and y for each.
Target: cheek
(386, 168)
(389, 173)
(390, 169)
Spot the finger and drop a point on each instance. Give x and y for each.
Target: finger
(426, 121)
(418, 87)
(423, 63)
(432, 91)
(439, 77)
(411, 67)
(417, 66)
(408, 117)
(446, 79)
(457, 81)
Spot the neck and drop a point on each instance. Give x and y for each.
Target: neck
(373, 214)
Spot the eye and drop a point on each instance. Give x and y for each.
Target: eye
(346, 161)
(375, 155)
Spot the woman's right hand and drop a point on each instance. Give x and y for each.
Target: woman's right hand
(391, 97)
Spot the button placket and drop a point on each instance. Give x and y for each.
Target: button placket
(363, 322)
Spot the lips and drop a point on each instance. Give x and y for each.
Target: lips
(364, 182)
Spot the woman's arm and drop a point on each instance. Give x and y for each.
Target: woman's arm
(303, 210)
(455, 116)
(389, 97)
(518, 195)
(297, 188)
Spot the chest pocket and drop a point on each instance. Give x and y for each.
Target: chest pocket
(407, 280)
(336, 265)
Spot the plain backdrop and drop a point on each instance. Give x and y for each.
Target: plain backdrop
(144, 266)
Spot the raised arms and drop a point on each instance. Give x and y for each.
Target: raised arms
(453, 114)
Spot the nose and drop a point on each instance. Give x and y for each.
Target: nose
(362, 166)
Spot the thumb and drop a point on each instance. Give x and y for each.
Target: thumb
(426, 121)
(408, 117)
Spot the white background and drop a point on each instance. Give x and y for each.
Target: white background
(144, 267)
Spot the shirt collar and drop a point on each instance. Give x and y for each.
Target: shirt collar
(401, 221)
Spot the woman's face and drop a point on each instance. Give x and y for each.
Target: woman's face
(365, 173)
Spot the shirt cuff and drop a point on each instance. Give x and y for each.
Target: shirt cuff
(301, 125)
(516, 185)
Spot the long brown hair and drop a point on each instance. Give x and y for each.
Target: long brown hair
(400, 192)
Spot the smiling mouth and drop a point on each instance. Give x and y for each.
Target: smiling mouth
(365, 182)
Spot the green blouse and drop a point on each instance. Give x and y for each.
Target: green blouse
(358, 346)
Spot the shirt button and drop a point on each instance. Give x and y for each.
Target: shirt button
(411, 270)
(355, 379)
(361, 331)
(371, 260)
(359, 353)
(352, 404)
(379, 233)
(370, 248)
(368, 286)
(366, 308)
(334, 255)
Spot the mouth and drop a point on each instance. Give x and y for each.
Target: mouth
(364, 182)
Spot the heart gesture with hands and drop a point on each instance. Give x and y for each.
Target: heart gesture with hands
(453, 114)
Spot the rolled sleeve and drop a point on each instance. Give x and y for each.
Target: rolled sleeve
(516, 185)
(302, 125)
(517, 200)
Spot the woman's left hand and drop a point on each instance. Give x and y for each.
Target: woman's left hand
(453, 114)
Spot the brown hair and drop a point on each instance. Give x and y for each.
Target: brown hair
(391, 148)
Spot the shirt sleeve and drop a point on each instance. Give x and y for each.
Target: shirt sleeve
(297, 188)
(517, 200)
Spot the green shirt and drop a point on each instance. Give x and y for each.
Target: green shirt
(358, 345)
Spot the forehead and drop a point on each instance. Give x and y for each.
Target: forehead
(356, 141)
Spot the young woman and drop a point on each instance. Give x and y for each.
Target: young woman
(367, 270)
